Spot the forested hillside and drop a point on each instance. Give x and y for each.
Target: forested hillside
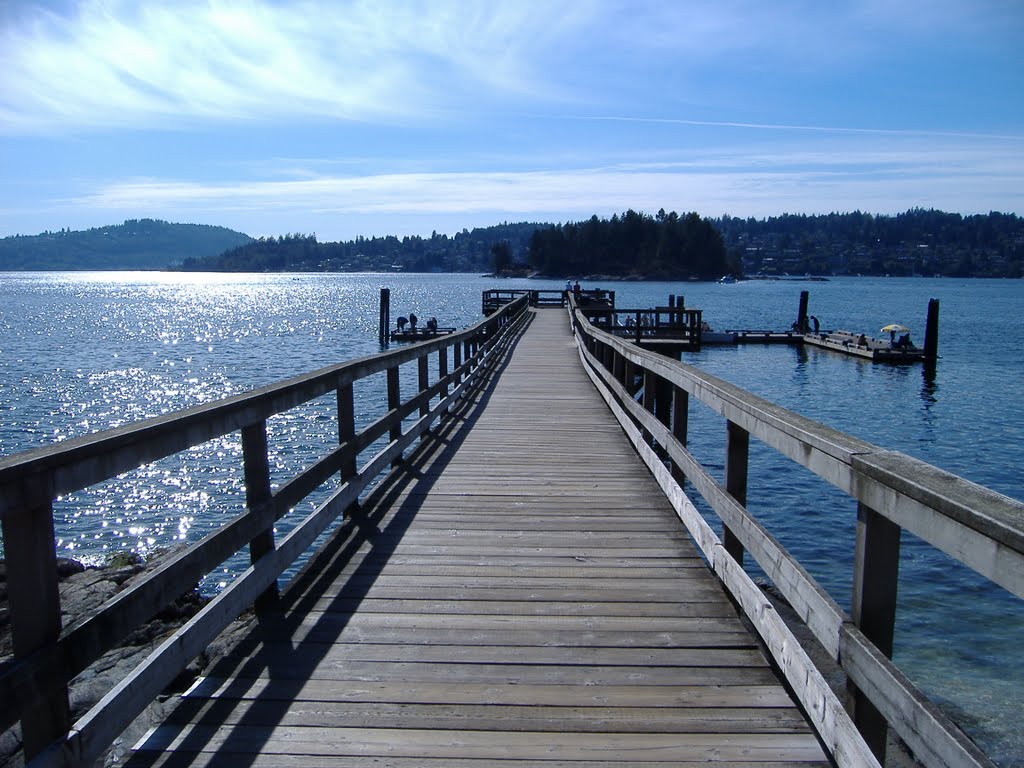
(136, 244)
(466, 251)
(918, 242)
(662, 247)
(636, 245)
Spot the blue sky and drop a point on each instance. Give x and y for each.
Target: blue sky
(371, 118)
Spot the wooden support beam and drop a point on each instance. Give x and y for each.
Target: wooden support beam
(737, 452)
(679, 425)
(423, 380)
(442, 368)
(650, 388)
(394, 401)
(347, 427)
(34, 603)
(257, 493)
(875, 580)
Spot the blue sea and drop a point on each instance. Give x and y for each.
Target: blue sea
(81, 352)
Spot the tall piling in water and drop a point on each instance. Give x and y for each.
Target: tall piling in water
(385, 315)
(801, 315)
(931, 333)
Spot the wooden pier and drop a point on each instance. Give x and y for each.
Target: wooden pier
(515, 578)
(512, 596)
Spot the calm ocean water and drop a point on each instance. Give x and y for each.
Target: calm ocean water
(81, 352)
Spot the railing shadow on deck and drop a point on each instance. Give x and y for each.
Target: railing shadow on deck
(982, 529)
(34, 683)
(310, 587)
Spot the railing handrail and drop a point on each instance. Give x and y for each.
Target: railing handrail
(977, 526)
(33, 686)
(68, 460)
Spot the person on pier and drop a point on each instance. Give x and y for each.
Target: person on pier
(412, 322)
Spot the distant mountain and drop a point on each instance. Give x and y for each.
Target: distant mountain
(136, 244)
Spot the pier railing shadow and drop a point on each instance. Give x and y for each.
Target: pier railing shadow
(380, 520)
(650, 395)
(34, 682)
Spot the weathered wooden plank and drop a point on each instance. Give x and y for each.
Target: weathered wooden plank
(221, 759)
(428, 743)
(771, 696)
(298, 667)
(250, 660)
(318, 714)
(709, 605)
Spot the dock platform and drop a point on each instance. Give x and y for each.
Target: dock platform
(869, 348)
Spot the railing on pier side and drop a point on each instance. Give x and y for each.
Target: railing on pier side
(494, 299)
(977, 526)
(34, 683)
(654, 323)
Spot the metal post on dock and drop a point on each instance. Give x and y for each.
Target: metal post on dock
(385, 315)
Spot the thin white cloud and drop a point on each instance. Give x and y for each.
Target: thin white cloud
(120, 64)
(760, 182)
(807, 128)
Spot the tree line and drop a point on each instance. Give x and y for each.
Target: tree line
(631, 244)
(662, 247)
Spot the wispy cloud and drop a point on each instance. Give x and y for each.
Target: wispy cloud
(116, 64)
(757, 183)
(800, 128)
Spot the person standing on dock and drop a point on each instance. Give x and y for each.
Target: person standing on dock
(412, 322)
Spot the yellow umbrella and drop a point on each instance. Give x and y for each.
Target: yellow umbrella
(895, 328)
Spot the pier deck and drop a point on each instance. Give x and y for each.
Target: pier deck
(525, 597)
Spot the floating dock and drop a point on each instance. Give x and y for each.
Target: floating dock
(420, 334)
(869, 348)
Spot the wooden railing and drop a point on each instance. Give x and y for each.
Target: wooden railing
(494, 299)
(34, 684)
(980, 528)
(654, 323)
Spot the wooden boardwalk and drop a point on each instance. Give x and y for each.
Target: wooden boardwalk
(525, 597)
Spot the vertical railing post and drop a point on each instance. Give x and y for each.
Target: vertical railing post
(424, 382)
(442, 368)
(630, 377)
(663, 405)
(257, 491)
(33, 598)
(347, 428)
(875, 578)
(394, 401)
(680, 424)
(457, 362)
(737, 451)
(650, 386)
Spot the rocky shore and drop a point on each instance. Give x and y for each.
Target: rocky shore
(84, 589)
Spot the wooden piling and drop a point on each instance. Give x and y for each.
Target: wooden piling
(931, 333)
(385, 315)
(801, 315)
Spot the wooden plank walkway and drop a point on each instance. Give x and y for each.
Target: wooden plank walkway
(526, 597)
